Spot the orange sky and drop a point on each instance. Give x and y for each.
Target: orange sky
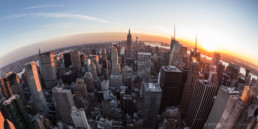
(77, 39)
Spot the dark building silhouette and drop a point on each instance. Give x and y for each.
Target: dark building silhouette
(171, 85)
(17, 112)
(193, 74)
(6, 88)
(67, 60)
(129, 45)
(201, 104)
(151, 93)
(47, 69)
(64, 102)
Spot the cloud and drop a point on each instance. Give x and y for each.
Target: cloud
(44, 6)
(63, 15)
(161, 28)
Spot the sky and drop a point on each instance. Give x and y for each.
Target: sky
(228, 26)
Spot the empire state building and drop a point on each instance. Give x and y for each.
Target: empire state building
(129, 45)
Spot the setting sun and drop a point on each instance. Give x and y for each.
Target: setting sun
(209, 47)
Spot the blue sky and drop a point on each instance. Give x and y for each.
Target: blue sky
(221, 25)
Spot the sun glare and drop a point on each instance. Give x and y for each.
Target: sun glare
(209, 47)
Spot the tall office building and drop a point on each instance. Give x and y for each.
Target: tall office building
(89, 82)
(115, 77)
(17, 112)
(195, 56)
(79, 118)
(47, 69)
(248, 116)
(13, 80)
(67, 60)
(151, 93)
(216, 59)
(144, 65)
(63, 101)
(129, 45)
(127, 72)
(201, 104)
(76, 61)
(173, 39)
(11, 85)
(114, 61)
(81, 89)
(175, 54)
(35, 87)
(193, 74)
(219, 106)
(231, 113)
(171, 85)
(6, 88)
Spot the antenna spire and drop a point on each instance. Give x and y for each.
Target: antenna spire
(195, 48)
(174, 31)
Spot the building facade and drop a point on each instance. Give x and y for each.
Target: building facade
(48, 69)
(200, 104)
(151, 93)
(144, 65)
(35, 87)
(63, 102)
(171, 85)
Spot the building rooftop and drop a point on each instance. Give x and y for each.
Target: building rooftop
(144, 53)
(171, 69)
(152, 87)
(230, 90)
(8, 101)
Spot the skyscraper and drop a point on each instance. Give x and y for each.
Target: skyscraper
(115, 77)
(17, 112)
(231, 113)
(144, 65)
(195, 56)
(47, 69)
(219, 106)
(6, 88)
(129, 45)
(35, 87)
(216, 59)
(151, 93)
(81, 89)
(173, 40)
(201, 104)
(175, 54)
(76, 61)
(171, 85)
(67, 60)
(13, 81)
(64, 102)
(193, 74)
(79, 118)
(11, 85)
(114, 61)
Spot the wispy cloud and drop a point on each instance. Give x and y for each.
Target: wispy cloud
(161, 28)
(44, 6)
(64, 15)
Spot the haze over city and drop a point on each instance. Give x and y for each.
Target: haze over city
(223, 26)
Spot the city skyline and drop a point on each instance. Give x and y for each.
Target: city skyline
(227, 27)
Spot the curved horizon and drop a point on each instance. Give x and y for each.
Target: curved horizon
(94, 37)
